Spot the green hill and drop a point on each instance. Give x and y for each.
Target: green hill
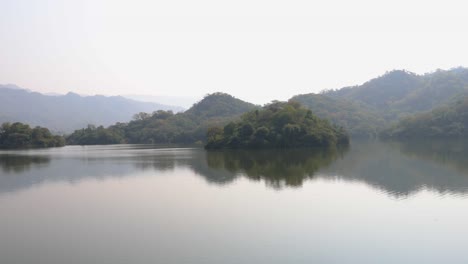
(277, 125)
(443, 122)
(219, 105)
(383, 91)
(166, 127)
(366, 109)
(363, 110)
(359, 119)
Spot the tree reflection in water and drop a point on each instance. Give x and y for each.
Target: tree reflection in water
(278, 168)
(19, 163)
(399, 169)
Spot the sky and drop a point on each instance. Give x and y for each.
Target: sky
(255, 50)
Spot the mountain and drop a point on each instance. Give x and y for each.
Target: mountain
(166, 127)
(365, 109)
(359, 119)
(64, 113)
(399, 93)
(382, 91)
(185, 102)
(443, 122)
(219, 105)
(277, 125)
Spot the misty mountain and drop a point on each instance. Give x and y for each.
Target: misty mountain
(442, 122)
(64, 113)
(185, 102)
(365, 109)
(359, 119)
(382, 91)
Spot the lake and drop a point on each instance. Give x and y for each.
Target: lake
(373, 202)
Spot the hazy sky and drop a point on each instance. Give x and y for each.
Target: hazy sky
(255, 50)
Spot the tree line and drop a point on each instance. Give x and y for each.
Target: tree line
(162, 127)
(19, 135)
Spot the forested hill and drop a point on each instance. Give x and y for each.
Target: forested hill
(359, 119)
(64, 113)
(443, 122)
(166, 127)
(404, 92)
(382, 91)
(365, 109)
(218, 105)
(277, 125)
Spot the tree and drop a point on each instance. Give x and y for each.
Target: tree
(279, 124)
(19, 135)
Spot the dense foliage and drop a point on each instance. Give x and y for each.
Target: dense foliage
(95, 136)
(19, 135)
(443, 122)
(165, 126)
(279, 124)
(366, 109)
(358, 119)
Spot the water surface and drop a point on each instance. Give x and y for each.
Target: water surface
(372, 203)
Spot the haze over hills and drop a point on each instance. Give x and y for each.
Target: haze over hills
(448, 121)
(184, 101)
(65, 113)
(364, 110)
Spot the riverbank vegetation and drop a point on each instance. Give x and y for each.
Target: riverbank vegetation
(19, 135)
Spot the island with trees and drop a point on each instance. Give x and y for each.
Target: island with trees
(277, 125)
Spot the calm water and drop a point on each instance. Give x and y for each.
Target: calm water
(372, 203)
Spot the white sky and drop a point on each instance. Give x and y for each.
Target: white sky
(256, 50)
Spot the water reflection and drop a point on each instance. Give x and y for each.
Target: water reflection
(25, 169)
(450, 153)
(19, 163)
(277, 168)
(397, 169)
(401, 169)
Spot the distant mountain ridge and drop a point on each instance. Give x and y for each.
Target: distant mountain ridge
(184, 102)
(65, 113)
(363, 110)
